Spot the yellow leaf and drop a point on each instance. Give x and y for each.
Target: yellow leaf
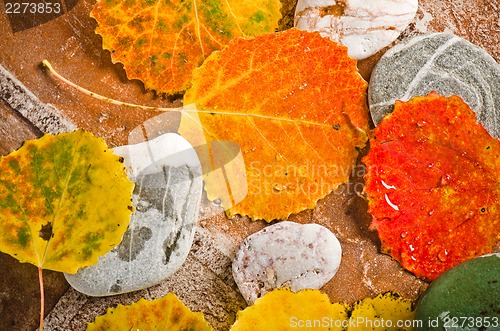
(161, 42)
(283, 309)
(431, 182)
(167, 313)
(387, 311)
(64, 201)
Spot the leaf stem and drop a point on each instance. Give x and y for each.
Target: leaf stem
(49, 67)
(185, 109)
(42, 298)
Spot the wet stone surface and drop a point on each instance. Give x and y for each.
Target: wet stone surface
(439, 62)
(166, 200)
(286, 254)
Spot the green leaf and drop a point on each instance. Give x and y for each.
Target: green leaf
(64, 201)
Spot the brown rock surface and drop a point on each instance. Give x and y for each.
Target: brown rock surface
(205, 282)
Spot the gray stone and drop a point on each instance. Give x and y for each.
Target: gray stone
(286, 254)
(167, 196)
(45, 117)
(437, 62)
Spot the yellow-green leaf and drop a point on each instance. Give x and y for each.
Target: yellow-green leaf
(64, 201)
(167, 313)
(295, 104)
(283, 309)
(386, 311)
(161, 42)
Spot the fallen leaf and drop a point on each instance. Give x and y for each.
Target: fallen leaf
(65, 201)
(385, 312)
(166, 313)
(161, 42)
(433, 185)
(282, 309)
(295, 105)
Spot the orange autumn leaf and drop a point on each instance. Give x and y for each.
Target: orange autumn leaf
(295, 104)
(65, 200)
(433, 185)
(161, 42)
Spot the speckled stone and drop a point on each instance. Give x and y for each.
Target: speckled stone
(365, 27)
(167, 196)
(437, 62)
(286, 254)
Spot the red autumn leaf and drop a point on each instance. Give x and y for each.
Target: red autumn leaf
(433, 185)
(295, 104)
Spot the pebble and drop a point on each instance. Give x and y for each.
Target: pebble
(465, 297)
(439, 62)
(166, 198)
(365, 27)
(286, 254)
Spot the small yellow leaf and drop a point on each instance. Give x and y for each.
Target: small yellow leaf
(167, 313)
(387, 311)
(283, 309)
(64, 201)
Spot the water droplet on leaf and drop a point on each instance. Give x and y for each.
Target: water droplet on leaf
(277, 187)
(470, 215)
(421, 123)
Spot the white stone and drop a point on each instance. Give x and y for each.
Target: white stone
(167, 196)
(364, 26)
(286, 254)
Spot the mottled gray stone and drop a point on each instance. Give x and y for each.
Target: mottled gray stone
(437, 62)
(286, 254)
(167, 196)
